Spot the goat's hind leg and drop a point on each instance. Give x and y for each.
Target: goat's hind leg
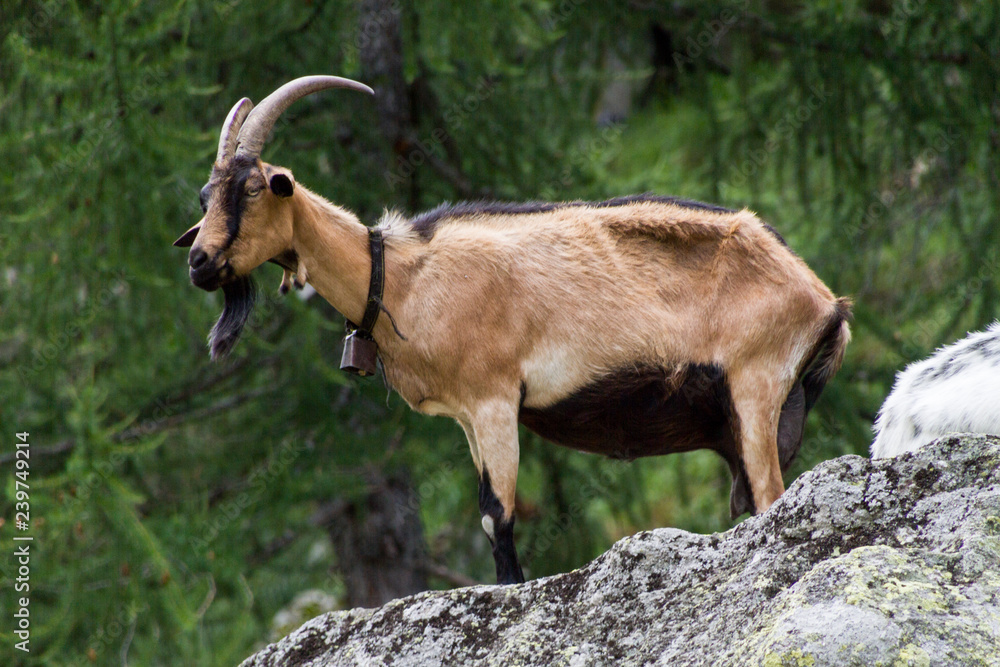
(791, 425)
(757, 417)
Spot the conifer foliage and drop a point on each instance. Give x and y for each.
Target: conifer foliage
(178, 505)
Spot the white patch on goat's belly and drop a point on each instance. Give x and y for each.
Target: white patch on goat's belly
(552, 373)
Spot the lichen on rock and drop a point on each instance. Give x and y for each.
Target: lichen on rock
(893, 562)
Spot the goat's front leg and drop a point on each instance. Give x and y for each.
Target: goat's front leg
(494, 427)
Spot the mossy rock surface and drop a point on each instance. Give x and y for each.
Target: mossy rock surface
(894, 562)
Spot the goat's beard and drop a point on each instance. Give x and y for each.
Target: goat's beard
(240, 296)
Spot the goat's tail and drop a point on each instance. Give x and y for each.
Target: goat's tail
(828, 354)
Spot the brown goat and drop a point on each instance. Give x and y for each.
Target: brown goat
(633, 327)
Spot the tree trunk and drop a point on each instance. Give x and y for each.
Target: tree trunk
(379, 543)
(381, 56)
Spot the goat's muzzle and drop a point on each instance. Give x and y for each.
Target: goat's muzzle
(208, 272)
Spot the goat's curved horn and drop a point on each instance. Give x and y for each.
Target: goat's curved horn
(261, 120)
(231, 129)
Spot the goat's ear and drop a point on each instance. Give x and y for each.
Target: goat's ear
(282, 184)
(187, 238)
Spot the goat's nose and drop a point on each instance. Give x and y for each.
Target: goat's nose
(197, 258)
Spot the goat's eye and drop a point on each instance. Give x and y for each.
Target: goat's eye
(203, 196)
(253, 192)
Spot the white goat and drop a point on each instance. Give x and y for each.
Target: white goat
(956, 390)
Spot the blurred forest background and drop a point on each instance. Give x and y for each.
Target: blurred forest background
(178, 505)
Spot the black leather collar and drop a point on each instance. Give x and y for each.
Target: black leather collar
(360, 350)
(376, 285)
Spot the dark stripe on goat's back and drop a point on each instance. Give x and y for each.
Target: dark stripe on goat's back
(646, 411)
(774, 232)
(425, 224)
